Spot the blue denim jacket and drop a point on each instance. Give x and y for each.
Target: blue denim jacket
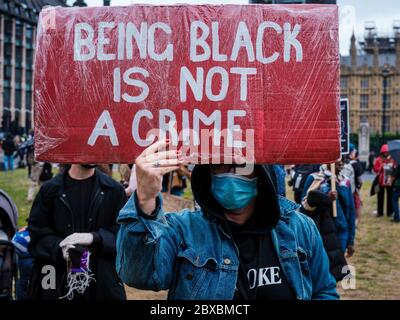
(190, 254)
(280, 177)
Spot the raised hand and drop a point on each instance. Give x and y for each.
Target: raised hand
(151, 165)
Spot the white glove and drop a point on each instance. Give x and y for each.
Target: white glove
(84, 239)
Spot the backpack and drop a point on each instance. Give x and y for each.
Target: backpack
(299, 179)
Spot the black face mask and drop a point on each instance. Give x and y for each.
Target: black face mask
(89, 166)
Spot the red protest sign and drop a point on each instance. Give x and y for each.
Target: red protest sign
(263, 79)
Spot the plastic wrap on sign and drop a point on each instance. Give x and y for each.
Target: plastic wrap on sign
(258, 80)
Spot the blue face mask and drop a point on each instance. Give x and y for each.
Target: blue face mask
(232, 191)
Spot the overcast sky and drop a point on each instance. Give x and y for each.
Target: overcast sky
(353, 14)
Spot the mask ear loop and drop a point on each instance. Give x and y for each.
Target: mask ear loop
(78, 279)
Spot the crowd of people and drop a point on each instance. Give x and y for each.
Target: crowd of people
(244, 240)
(17, 151)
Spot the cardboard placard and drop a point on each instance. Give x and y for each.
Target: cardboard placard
(261, 79)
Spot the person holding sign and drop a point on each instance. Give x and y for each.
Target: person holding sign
(244, 242)
(318, 206)
(345, 216)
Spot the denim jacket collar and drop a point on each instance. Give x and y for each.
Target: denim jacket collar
(287, 207)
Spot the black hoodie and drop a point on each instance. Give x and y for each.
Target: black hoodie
(260, 272)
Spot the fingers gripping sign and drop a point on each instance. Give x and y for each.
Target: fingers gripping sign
(151, 165)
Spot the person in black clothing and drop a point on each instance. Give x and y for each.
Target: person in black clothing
(358, 172)
(395, 182)
(9, 148)
(317, 205)
(371, 160)
(74, 215)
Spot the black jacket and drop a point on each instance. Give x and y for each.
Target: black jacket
(8, 147)
(326, 226)
(50, 221)
(358, 172)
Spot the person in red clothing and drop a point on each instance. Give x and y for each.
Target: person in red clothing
(383, 167)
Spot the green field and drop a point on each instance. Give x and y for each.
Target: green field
(377, 258)
(376, 261)
(16, 185)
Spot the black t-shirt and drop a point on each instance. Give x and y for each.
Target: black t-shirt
(79, 196)
(260, 273)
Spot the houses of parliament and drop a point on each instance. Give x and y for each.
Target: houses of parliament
(370, 79)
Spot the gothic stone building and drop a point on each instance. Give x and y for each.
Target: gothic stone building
(370, 79)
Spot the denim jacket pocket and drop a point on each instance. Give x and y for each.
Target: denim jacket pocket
(303, 259)
(195, 276)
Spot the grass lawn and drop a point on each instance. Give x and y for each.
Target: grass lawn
(376, 261)
(16, 185)
(377, 257)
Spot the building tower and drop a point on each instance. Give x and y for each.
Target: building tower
(353, 51)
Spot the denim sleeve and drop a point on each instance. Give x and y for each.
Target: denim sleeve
(324, 285)
(351, 218)
(146, 247)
